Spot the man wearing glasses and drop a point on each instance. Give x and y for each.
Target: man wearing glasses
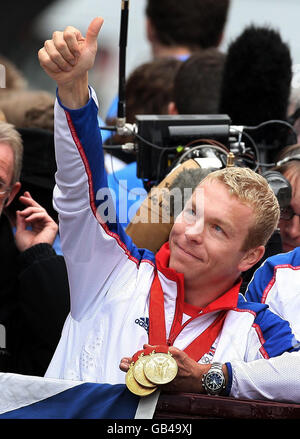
(34, 286)
(11, 150)
(289, 166)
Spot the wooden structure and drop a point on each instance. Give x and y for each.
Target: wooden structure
(195, 406)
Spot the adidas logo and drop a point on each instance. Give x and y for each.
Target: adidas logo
(143, 322)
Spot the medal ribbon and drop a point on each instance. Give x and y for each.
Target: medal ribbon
(157, 322)
(157, 325)
(204, 341)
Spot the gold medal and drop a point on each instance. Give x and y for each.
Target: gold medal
(138, 372)
(135, 387)
(160, 368)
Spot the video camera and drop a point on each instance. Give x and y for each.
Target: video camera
(163, 142)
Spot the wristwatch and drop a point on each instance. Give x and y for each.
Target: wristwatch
(214, 380)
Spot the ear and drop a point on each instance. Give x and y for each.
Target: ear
(172, 109)
(150, 32)
(220, 39)
(251, 257)
(14, 190)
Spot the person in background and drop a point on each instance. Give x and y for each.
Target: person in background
(149, 89)
(34, 287)
(181, 28)
(197, 84)
(31, 113)
(288, 164)
(177, 29)
(256, 87)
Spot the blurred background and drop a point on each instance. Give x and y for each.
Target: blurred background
(26, 24)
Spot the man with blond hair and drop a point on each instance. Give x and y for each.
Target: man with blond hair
(184, 301)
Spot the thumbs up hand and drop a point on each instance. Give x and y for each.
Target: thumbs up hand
(67, 57)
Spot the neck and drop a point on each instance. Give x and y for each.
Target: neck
(160, 51)
(202, 295)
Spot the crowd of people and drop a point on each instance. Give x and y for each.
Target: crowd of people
(209, 285)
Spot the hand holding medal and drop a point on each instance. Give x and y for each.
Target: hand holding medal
(149, 369)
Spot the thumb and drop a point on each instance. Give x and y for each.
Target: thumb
(93, 31)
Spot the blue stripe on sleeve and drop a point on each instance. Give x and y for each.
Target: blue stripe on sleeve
(277, 334)
(260, 281)
(229, 382)
(264, 274)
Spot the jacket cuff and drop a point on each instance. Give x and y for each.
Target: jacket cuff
(229, 382)
(34, 253)
(76, 110)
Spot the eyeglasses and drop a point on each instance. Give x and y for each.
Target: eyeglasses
(287, 213)
(4, 189)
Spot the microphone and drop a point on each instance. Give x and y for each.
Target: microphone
(121, 119)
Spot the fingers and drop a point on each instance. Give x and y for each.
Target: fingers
(34, 211)
(125, 364)
(46, 62)
(67, 45)
(175, 351)
(32, 215)
(172, 349)
(60, 53)
(72, 37)
(27, 199)
(57, 54)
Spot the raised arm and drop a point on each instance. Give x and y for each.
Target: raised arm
(94, 244)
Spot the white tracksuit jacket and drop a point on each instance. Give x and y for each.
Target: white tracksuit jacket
(110, 280)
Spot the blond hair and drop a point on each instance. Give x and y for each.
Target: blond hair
(252, 189)
(10, 136)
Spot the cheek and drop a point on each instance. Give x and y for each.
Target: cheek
(282, 226)
(177, 229)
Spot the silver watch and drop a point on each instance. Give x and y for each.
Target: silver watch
(214, 380)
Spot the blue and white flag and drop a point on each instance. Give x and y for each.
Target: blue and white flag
(29, 397)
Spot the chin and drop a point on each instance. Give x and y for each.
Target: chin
(288, 247)
(177, 265)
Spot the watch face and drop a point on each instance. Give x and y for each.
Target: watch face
(214, 381)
